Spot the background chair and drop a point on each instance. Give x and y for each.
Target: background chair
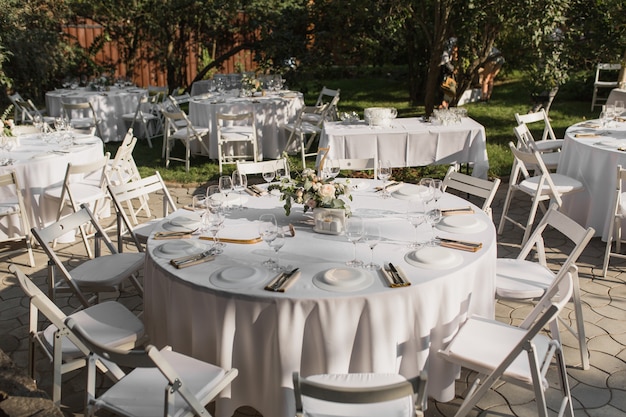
(515, 354)
(122, 168)
(325, 107)
(302, 134)
(236, 138)
(140, 190)
(145, 119)
(103, 273)
(360, 395)
(615, 228)
(526, 142)
(110, 323)
(549, 141)
(161, 382)
(522, 279)
(602, 80)
(82, 117)
(15, 207)
(250, 168)
(542, 186)
(179, 127)
(473, 186)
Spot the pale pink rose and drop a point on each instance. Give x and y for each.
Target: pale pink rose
(327, 191)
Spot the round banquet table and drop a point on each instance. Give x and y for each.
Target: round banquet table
(38, 165)
(315, 328)
(271, 112)
(591, 154)
(108, 105)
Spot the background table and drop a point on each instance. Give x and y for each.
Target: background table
(269, 335)
(410, 142)
(593, 161)
(271, 112)
(39, 165)
(108, 105)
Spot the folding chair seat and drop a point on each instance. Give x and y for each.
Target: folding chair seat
(109, 323)
(615, 228)
(477, 187)
(236, 138)
(160, 382)
(524, 279)
(145, 119)
(139, 190)
(13, 209)
(179, 127)
(526, 142)
(103, 273)
(603, 71)
(82, 117)
(302, 134)
(360, 395)
(516, 354)
(540, 187)
(549, 141)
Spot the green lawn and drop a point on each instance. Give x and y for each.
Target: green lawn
(509, 97)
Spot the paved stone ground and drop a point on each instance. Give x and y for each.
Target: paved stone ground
(597, 392)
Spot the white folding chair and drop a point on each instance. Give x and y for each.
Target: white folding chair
(549, 141)
(478, 187)
(250, 168)
(517, 354)
(541, 187)
(159, 91)
(82, 117)
(325, 107)
(302, 134)
(122, 168)
(360, 395)
(179, 127)
(525, 141)
(236, 138)
(103, 273)
(160, 382)
(144, 120)
(602, 80)
(615, 228)
(109, 323)
(140, 190)
(13, 208)
(523, 279)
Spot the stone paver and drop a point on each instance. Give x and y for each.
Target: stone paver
(597, 392)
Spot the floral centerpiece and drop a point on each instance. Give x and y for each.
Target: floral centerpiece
(6, 124)
(250, 85)
(311, 190)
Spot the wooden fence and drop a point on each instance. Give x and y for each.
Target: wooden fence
(146, 73)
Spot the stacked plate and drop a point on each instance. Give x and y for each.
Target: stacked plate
(434, 257)
(462, 223)
(343, 279)
(238, 276)
(179, 248)
(182, 224)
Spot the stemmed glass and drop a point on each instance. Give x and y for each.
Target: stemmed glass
(333, 168)
(416, 218)
(372, 238)
(214, 221)
(384, 173)
(282, 172)
(354, 231)
(268, 230)
(437, 187)
(240, 182)
(268, 175)
(433, 217)
(225, 184)
(619, 108)
(213, 203)
(427, 193)
(276, 244)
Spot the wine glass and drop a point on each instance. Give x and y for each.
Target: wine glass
(282, 172)
(433, 217)
(268, 175)
(372, 238)
(333, 168)
(384, 173)
(416, 218)
(619, 108)
(199, 202)
(225, 185)
(214, 221)
(276, 244)
(213, 200)
(354, 231)
(427, 192)
(240, 183)
(437, 189)
(268, 230)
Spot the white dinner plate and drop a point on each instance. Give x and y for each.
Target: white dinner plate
(233, 199)
(462, 223)
(182, 224)
(44, 155)
(239, 276)
(409, 192)
(343, 279)
(178, 248)
(434, 257)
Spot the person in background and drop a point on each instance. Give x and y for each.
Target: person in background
(447, 82)
(492, 67)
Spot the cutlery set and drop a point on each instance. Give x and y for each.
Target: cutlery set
(463, 210)
(255, 191)
(174, 235)
(191, 260)
(395, 276)
(460, 244)
(283, 281)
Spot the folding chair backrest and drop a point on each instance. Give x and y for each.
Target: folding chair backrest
(536, 117)
(249, 168)
(143, 187)
(92, 172)
(526, 161)
(123, 167)
(173, 116)
(478, 187)
(525, 139)
(603, 68)
(159, 92)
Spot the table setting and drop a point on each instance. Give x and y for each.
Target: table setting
(236, 307)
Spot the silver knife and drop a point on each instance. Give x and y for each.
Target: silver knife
(193, 258)
(282, 280)
(396, 273)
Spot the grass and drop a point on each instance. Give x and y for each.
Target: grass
(498, 117)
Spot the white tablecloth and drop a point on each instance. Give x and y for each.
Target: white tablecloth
(410, 142)
(269, 335)
(37, 168)
(271, 112)
(593, 161)
(108, 105)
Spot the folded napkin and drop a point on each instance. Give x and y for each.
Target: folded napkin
(464, 210)
(283, 281)
(391, 187)
(586, 135)
(190, 208)
(460, 245)
(620, 119)
(186, 261)
(255, 190)
(172, 235)
(395, 280)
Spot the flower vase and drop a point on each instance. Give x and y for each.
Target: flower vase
(329, 221)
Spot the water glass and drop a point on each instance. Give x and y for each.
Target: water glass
(268, 230)
(372, 238)
(354, 231)
(240, 183)
(384, 173)
(276, 244)
(433, 217)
